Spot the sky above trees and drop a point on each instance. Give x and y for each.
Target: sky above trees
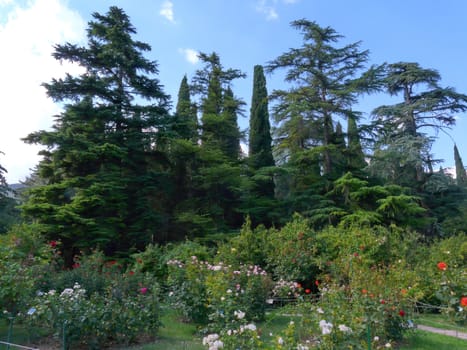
(243, 32)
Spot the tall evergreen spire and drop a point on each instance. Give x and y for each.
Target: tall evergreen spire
(259, 146)
(186, 123)
(356, 157)
(461, 176)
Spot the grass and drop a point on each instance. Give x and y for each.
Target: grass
(19, 335)
(420, 340)
(174, 335)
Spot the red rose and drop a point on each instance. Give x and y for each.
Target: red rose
(131, 273)
(442, 266)
(143, 290)
(307, 291)
(53, 244)
(402, 313)
(316, 283)
(463, 301)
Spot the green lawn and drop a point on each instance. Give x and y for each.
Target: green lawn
(420, 340)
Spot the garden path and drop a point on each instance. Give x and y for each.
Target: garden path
(452, 333)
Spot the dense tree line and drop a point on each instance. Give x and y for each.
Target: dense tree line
(120, 170)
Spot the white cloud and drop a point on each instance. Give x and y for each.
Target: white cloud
(190, 55)
(27, 37)
(167, 11)
(5, 2)
(267, 8)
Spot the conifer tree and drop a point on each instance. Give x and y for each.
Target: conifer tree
(327, 81)
(186, 122)
(260, 140)
(355, 156)
(106, 179)
(461, 176)
(231, 139)
(402, 149)
(217, 181)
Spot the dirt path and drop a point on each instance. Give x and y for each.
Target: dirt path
(457, 334)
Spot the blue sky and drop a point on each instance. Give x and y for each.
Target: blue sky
(243, 32)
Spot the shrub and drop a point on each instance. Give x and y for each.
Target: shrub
(208, 293)
(291, 251)
(117, 314)
(23, 255)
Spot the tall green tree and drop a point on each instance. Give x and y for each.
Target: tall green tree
(259, 194)
(260, 140)
(186, 119)
(106, 178)
(461, 176)
(355, 156)
(327, 80)
(217, 179)
(403, 150)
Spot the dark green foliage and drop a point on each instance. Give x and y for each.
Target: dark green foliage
(461, 176)
(106, 180)
(327, 81)
(186, 121)
(216, 179)
(401, 142)
(260, 140)
(9, 214)
(258, 199)
(355, 156)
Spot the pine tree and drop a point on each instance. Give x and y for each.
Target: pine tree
(461, 176)
(106, 178)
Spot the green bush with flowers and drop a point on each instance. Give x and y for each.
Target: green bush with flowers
(234, 291)
(444, 277)
(23, 255)
(96, 303)
(291, 251)
(209, 293)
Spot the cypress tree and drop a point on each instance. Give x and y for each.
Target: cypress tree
(355, 156)
(461, 176)
(231, 139)
(260, 140)
(186, 122)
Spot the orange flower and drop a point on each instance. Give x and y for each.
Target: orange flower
(463, 301)
(442, 266)
(403, 291)
(364, 291)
